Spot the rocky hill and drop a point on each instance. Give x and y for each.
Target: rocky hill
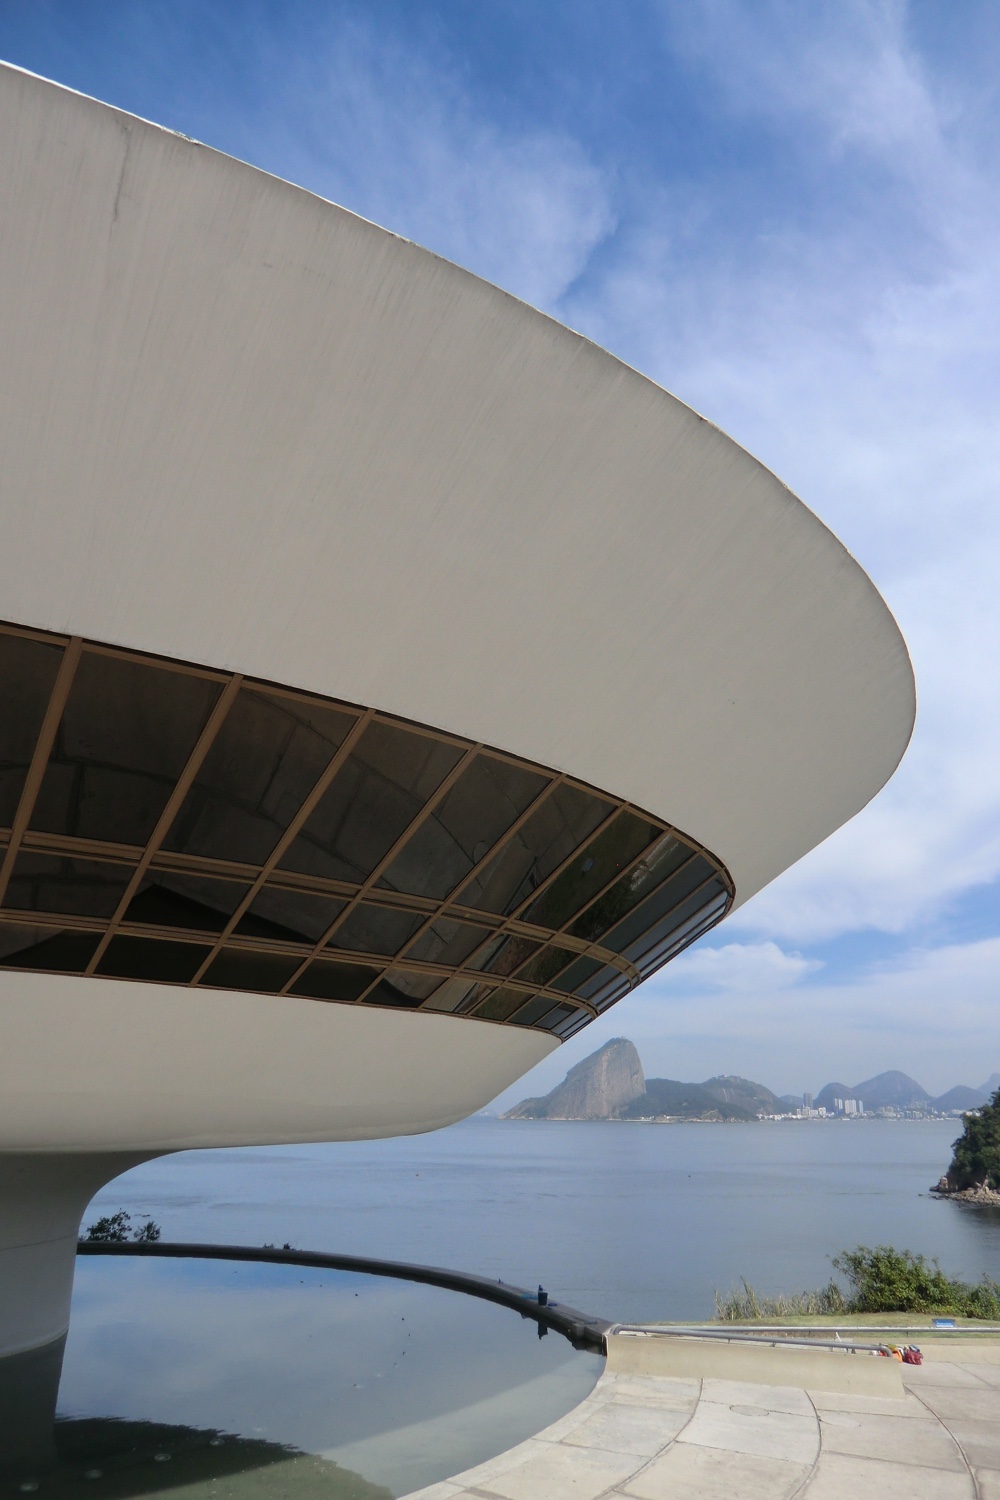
(744, 1094)
(609, 1085)
(961, 1097)
(668, 1098)
(596, 1089)
(893, 1090)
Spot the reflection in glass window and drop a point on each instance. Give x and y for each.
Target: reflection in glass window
(27, 676)
(375, 929)
(663, 900)
(495, 867)
(594, 868)
(126, 734)
(166, 899)
(448, 942)
(46, 948)
(373, 799)
(234, 969)
(485, 801)
(667, 856)
(264, 762)
(289, 916)
(77, 887)
(323, 980)
(565, 819)
(157, 959)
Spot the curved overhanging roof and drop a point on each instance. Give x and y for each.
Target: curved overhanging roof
(246, 428)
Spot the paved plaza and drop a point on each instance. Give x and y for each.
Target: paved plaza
(650, 1437)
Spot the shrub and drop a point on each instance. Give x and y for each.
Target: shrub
(117, 1228)
(881, 1280)
(888, 1280)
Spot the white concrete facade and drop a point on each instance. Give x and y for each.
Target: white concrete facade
(244, 428)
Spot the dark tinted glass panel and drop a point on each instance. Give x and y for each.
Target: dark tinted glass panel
(544, 968)
(127, 732)
(46, 948)
(663, 860)
(400, 987)
(680, 926)
(150, 958)
(607, 982)
(486, 799)
(557, 1018)
(27, 673)
(577, 974)
(664, 899)
(168, 900)
(374, 797)
(266, 759)
(448, 942)
(236, 970)
(565, 1026)
(532, 1013)
(376, 929)
(79, 887)
(289, 916)
(333, 981)
(504, 954)
(500, 1005)
(455, 995)
(564, 820)
(597, 864)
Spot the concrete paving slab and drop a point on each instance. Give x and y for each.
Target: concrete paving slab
(561, 1473)
(901, 1440)
(940, 1372)
(840, 1474)
(692, 1473)
(641, 1430)
(949, 1401)
(786, 1398)
(753, 1429)
(979, 1441)
(831, 1401)
(676, 1395)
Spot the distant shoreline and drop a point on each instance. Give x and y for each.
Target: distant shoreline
(877, 1119)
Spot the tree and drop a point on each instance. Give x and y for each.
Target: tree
(976, 1157)
(117, 1228)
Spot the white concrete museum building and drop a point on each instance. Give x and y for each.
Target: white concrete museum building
(390, 679)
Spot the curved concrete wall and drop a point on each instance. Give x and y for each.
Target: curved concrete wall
(244, 427)
(110, 1065)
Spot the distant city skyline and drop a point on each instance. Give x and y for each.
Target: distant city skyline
(789, 217)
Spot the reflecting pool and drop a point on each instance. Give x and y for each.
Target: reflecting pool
(223, 1378)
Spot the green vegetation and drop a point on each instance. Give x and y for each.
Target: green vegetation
(976, 1158)
(117, 1228)
(880, 1280)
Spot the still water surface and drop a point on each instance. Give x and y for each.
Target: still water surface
(625, 1221)
(403, 1384)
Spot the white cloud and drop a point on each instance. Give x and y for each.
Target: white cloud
(932, 1013)
(393, 133)
(855, 349)
(738, 967)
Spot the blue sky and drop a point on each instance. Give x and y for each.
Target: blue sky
(788, 215)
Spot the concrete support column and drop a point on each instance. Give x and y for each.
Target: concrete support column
(42, 1200)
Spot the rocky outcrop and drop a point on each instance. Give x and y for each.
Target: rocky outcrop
(596, 1089)
(981, 1192)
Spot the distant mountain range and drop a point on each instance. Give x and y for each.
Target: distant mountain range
(610, 1085)
(895, 1090)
